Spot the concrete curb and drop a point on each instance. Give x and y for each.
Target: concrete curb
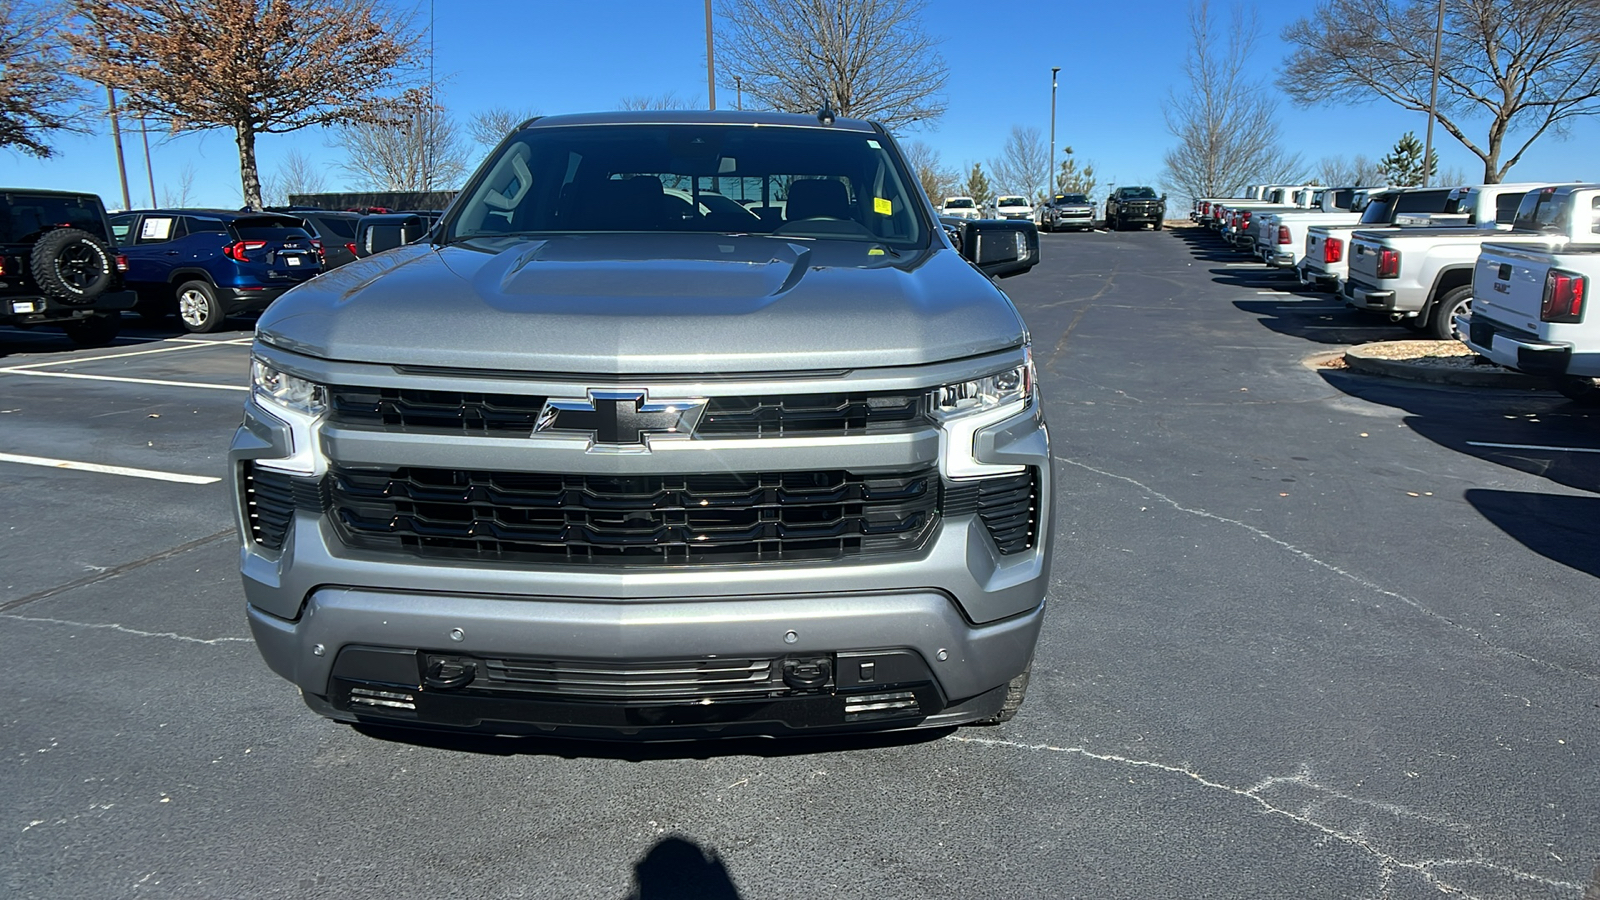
(1359, 360)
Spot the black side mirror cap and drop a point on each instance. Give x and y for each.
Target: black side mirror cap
(999, 248)
(375, 234)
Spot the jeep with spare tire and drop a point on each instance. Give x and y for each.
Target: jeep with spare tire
(59, 265)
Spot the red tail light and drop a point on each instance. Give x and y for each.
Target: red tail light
(316, 244)
(122, 264)
(3, 264)
(238, 249)
(1332, 250)
(1388, 263)
(1283, 234)
(352, 248)
(1563, 297)
(1245, 218)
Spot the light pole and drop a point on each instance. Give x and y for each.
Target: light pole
(1433, 99)
(711, 69)
(1054, 181)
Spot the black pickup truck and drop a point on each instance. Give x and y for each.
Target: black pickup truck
(1133, 207)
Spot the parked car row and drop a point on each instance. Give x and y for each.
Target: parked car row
(1504, 268)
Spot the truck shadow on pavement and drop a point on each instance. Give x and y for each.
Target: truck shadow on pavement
(1532, 431)
(1312, 318)
(648, 751)
(1560, 527)
(677, 868)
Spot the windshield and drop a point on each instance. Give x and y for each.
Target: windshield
(731, 179)
(957, 203)
(1011, 201)
(1072, 198)
(1142, 193)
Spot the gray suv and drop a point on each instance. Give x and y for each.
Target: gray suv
(675, 425)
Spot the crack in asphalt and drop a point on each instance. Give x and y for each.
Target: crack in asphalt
(1390, 863)
(115, 571)
(1415, 604)
(114, 626)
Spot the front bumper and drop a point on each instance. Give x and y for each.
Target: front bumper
(969, 613)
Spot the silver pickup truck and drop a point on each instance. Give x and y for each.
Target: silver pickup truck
(1530, 303)
(611, 453)
(1422, 277)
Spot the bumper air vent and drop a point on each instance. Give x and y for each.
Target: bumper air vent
(1007, 505)
(270, 499)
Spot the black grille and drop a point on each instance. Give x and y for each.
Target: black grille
(457, 412)
(657, 680)
(634, 520)
(270, 499)
(1007, 506)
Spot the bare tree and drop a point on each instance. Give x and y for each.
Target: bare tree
(1341, 170)
(179, 195)
(421, 151)
(489, 128)
(665, 100)
(938, 180)
(253, 66)
(1225, 121)
(36, 97)
(1024, 162)
(1527, 66)
(870, 59)
(1073, 179)
(297, 174)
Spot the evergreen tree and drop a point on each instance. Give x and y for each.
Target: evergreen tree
(977, 185)
(1403, 166)
(1071, 179)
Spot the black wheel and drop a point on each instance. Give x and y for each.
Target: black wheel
(1442, 321)
(1157, 224)
(71, 265)
(198, 308)
(1016, 692)
(95, 331)
(1044, 226)
(1111, 224)
(1582, 391)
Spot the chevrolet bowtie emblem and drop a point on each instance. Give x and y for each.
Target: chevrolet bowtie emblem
(620, 420)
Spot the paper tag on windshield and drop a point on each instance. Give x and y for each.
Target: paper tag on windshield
(155, 229)
(882, 207)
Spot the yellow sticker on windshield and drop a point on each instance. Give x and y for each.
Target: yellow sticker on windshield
(875, 251)
(882, 207)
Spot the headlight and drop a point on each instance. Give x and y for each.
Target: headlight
(274, 388)
(988, 392)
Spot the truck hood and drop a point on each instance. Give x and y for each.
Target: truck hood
(647, 304)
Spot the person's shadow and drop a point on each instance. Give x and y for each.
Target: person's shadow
(676, 868)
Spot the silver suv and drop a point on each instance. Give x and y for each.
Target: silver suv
(607, 454)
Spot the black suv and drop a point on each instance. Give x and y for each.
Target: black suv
(59, 265)
(1133, 207)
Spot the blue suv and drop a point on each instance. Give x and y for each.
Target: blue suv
(206, 264)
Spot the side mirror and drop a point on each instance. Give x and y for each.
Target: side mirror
(998, 248)
(375, 234)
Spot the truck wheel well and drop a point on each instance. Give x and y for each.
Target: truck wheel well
(1449, 280)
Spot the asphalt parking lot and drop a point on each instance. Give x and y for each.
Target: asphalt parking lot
(1312, 634)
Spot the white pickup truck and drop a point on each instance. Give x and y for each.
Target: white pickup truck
(1236, 215)
(1529, 301)
(1422, 277)
(1280, 236)
(1324, 264)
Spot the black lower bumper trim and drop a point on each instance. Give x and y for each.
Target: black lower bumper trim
(494, 713)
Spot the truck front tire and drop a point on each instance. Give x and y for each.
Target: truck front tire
(1441, 321)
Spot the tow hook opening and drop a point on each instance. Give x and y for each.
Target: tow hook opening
(810, 673)
(444, 673)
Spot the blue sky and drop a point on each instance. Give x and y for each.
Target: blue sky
(1118, 62)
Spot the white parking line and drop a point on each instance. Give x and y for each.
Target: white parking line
(122, 378)
(106, 470)
(66, 361)
(1533, 447)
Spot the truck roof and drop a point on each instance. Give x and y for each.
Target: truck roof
(697, 117)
